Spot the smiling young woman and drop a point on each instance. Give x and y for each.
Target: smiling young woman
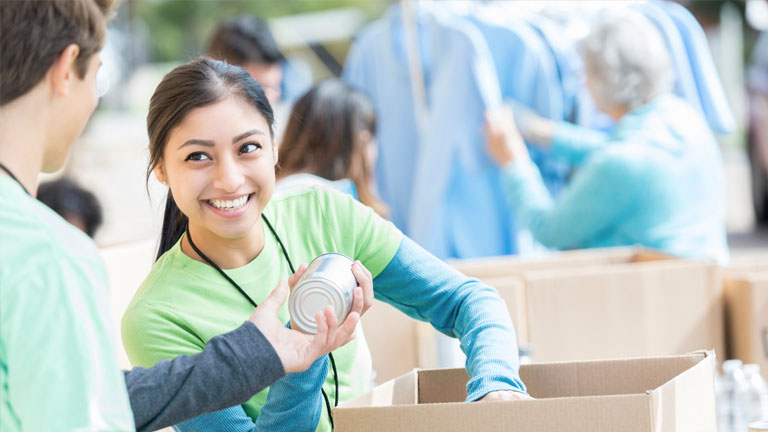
(220, 164)
(226, 241)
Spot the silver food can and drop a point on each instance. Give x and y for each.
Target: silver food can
(328, 281)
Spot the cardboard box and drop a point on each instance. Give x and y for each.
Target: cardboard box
(608, 303)
(393, 339)
(746, 263)
(746, 301)
(504, 266)
(643, 395)
(578, 305)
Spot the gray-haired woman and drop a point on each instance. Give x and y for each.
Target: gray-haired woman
(656, 180)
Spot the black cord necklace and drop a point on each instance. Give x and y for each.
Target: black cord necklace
(5, 168)
(253, 303)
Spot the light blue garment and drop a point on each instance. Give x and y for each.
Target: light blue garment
(684, 83)
(657, 182)
(424, 288)
(427, 289)
(757, 74)
(528, 74)
(710, 90)
(439, 183)
(305, 180)
(296, 81)
(294, 404)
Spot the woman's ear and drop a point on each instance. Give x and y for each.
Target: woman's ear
(274, 151)
(159, 172)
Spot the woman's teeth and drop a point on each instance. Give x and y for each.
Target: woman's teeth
(229, 204)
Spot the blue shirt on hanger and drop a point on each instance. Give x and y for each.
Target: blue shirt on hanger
(528, 74)
(708, 85)
(684, 84)
(439, 183)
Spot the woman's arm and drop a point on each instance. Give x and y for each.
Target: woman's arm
(294, 403)
(426, 288)
(600, 194)
(575, 143)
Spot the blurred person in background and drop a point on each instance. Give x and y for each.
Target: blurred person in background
(75, 204)
(226, 237)
(757, 135)
(656, 180)
(247, 41)
(329, 140)
(58, 369)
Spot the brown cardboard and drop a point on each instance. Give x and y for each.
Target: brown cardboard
(624, 310)
(746, 301)
(502, 266)
(585, 304)
(393, 339)
(747, 262)
(604, 303)
(644, 395)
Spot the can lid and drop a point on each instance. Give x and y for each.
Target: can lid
(312, 297)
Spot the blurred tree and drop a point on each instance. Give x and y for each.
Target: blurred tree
(180, 28)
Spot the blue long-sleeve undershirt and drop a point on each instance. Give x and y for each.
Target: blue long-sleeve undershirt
(425, 288)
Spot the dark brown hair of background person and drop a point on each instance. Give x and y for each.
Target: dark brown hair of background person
(199, 83)
(244, 39)
(324, 137)
(76, 205)
(58, 23)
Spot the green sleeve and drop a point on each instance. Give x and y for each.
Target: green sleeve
(152, 333)
(364, 234)
(62, 373)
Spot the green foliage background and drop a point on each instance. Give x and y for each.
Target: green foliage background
(180, 28)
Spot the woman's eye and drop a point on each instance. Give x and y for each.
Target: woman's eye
(197, 156)
(249, 147)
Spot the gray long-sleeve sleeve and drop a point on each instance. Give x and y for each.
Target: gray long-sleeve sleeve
(232, 368)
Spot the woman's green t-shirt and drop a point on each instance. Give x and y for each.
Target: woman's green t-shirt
(183, 303)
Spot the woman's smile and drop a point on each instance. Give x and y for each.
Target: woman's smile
(229, 206)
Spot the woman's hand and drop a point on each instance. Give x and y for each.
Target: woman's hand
(365, 281)
(504, 396)
(297, 351)
(505, 144)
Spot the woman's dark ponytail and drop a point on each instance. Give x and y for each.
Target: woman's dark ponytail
(174, 225)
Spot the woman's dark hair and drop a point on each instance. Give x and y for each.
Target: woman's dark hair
(323, 137)
(199, 83)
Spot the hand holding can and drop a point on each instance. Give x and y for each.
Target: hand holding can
(328, 280)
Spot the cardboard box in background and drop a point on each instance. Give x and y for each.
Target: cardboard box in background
(625, 310)
(609, 303)
(746, 301)
(644, 395)
(393, 339)
(504, 266)
(746, 263)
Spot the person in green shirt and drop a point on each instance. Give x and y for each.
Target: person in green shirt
(58, 369)
(226, 238)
